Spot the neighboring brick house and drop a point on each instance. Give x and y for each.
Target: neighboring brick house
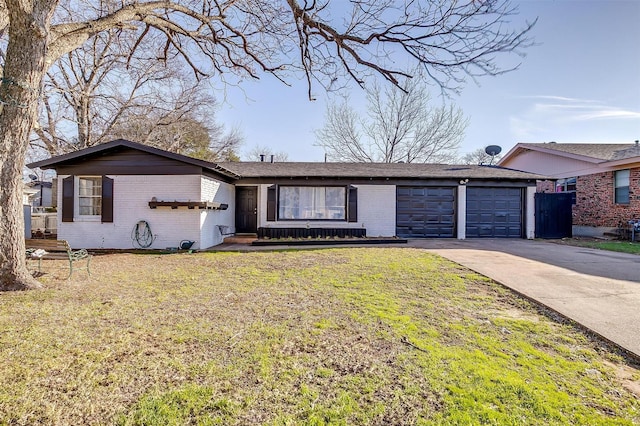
(605, 179)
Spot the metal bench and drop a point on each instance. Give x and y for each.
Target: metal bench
(58, 250)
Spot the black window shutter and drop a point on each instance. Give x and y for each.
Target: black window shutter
(107, 199)
(67, 199)
(272, 205)
(353, 204)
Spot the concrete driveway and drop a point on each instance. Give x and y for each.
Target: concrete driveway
(598, 289)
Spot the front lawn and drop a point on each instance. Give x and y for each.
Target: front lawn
(611, 245)
(385, 336)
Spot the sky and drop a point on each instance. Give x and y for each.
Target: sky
(580, 83)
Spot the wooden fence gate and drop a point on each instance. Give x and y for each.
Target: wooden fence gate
(553, 215)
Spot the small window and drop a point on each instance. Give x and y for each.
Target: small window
(89, 196)
(622, 186)
(312, 203)
(567, 185)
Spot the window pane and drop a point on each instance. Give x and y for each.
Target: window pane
(335, 200)
(90, 186)
(307, 202)
(90, 196)
(622, 195)
(622, 178)
(566, 185)
(90, 210)
(288, 200)
(622, 186)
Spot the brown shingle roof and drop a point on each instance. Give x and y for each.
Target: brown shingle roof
(373, 170)
(235, 170)
(600, 151)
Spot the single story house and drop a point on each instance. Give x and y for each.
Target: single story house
(603, 178)
(113, 194)
(43, 195)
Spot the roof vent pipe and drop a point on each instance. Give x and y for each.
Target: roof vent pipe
(272, 158)
(637, 142)
(262, 158)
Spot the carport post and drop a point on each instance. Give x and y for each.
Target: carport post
(462, 212)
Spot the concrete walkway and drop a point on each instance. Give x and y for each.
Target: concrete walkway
(598, 289)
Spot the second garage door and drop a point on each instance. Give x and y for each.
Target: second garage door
(494, 212)
(425, 212)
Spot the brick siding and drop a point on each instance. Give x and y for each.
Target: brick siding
(595, 204)
(132, 194)
(545, 186)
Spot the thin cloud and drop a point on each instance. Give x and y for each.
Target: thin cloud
(573, 109)
(559, 98)
(548, 115)
(607, 114)
(580, 112)
(560, 107)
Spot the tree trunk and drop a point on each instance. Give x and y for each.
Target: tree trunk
(21, 80)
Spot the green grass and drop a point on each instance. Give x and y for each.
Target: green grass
(619, 246)
(339, 336)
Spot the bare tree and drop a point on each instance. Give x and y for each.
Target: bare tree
(185, 135)
(479, 156)
(255, 153)
(244, 38)
(98, 92)
(401, 126)
(179, 120)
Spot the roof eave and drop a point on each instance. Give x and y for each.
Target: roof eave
(53, 162)
(631, 161)
(522, 147)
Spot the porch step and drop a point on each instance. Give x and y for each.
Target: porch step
(241, 239)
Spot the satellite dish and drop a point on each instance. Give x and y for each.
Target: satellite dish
(493, 150)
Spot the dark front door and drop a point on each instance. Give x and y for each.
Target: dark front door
(246, 209)
(553, 215)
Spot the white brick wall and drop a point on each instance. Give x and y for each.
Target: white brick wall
(169, 226)
(212, 220)
(376, 212)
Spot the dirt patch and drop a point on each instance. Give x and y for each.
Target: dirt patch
(629, 377)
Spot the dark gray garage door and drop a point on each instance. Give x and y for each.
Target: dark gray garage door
(424, 211)
(494, 212)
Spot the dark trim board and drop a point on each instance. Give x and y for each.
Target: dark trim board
(90, 169)
(339, 181)
(331, 242)
(311, 233)
(123, 157)
(133, 162)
